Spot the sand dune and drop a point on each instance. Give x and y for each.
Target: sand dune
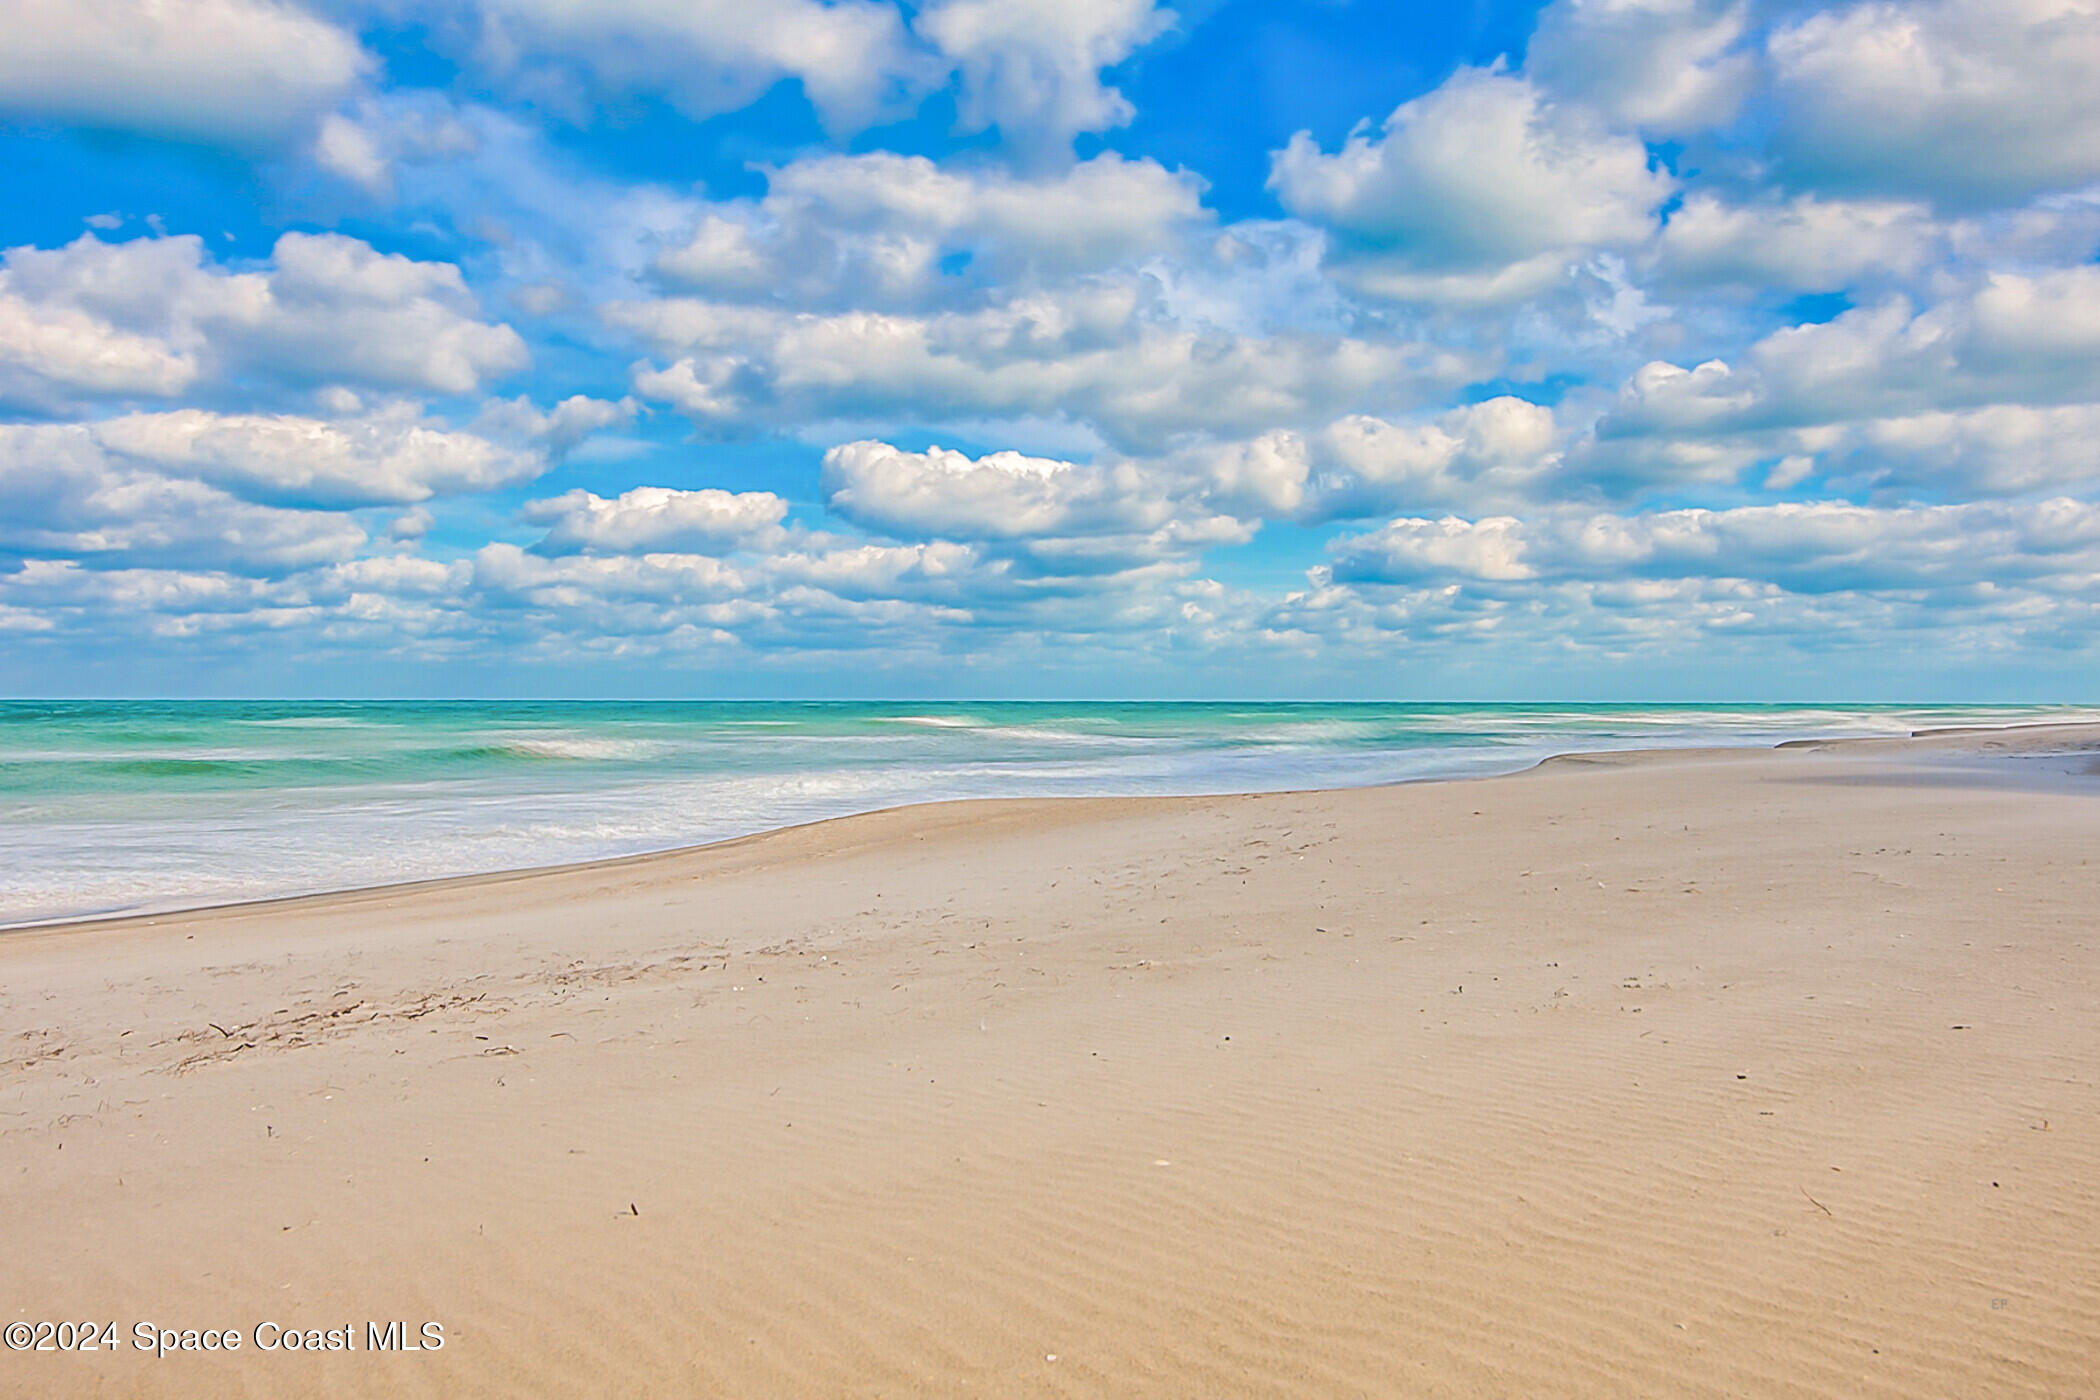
(1700, 1074)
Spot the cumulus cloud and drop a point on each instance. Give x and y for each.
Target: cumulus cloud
(1002, 495)
(1032, 68)
(1805, 244)
(1967, 103)
(854, 60)
(1411, 549)
(1029, 68)
(883, 290)
(51, 354)
(1687, 627)
(1818, 547)
(657, 519)
(873, 230)
(391, 457)
(666, 603)
(943, 571)
(1061, 514)
(347, 149)
(1269, 475)
(557, 431)
(1254, 278)
(1997, 450)
(1661, 398)
(1668, 67)
(1480, 191)
(370, 141)
(168, 602)
(250, 72)
(1088, 351)
(1199, 496)
(155, 316)
(2014, 337)
(339, 310)
(506, 571)
(241, 492)
(2005, 367)
(1498, 451)
(206, 428)
(63, 496)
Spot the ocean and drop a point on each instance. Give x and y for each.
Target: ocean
(113, 807)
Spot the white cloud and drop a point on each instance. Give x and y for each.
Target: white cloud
(1028, 67)
(250, 72)
(1198, 496)
(61, 495)
(1965, 102)
(1264, 476)
(49, 354)
(1061, 515)
(410, 525)
(167, 601)
(1891, 402)
(1674, 427)
(1412, 549)
(867, 293)
(1973, 379)
(1668, 67)
(1998, 450)
(942, 570)
(1002, 495)
(506, 570)
(2013, 338)
(1497, 450)
(1661, 397)
(1253, 278)
(1686, 628)
(1505, 229)
(871, 230)
(1032, 68)
(348, 150)
(1479, 191)
(1820, 547)
(853, 59)
(340, 310)
(391, 457)
(658, 519)
(155, 316)
(368, 142)
(1088, 351)
(557, 431)
(1805, 244)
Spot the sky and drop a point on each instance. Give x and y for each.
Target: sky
(1329, 349)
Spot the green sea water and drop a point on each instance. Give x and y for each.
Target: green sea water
(114, 806)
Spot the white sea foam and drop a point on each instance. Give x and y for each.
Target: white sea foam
(158, 839)
(1045, 734)
(582, 747)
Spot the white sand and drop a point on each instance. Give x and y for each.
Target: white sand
(1762, 1074)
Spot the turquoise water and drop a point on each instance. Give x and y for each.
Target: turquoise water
(147, 805)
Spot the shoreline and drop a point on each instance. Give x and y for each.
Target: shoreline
(1980, 741)
(1705, 1072)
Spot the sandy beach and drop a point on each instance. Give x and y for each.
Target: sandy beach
(1708, 1073)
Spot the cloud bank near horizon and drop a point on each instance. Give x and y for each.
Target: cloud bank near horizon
(839, 346)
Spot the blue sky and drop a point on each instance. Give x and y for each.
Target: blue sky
(1614, 349)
